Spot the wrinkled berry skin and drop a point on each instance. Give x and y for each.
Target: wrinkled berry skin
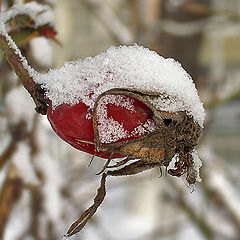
(74, 124)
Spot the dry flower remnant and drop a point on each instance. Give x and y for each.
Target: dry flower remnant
(127, 102)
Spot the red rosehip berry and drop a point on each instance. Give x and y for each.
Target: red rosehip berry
(74, 124)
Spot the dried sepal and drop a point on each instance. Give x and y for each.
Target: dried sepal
(79, 224)
(175, 135)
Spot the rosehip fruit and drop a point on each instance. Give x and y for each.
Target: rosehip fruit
(74, 124)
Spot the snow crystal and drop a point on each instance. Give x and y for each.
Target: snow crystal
(147, 127)
(132, 67)
(111, 130)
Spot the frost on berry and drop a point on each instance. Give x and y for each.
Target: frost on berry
(127, 102)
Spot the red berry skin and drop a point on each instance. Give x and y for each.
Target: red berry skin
(74, 124)
(70, 124)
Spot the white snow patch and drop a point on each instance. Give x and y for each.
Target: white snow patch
(131, 67)
(20, 107)
(148, 127)
(41, 51)
(111, 130)
(22, 161)
(197, 164)
(52, 186)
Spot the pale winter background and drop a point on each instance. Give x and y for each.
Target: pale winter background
(45, 183)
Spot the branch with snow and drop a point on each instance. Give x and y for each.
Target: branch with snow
(41, 15)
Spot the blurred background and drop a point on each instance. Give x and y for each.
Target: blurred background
(45, 184)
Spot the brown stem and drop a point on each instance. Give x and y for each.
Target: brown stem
(15, 61)
(79, 224)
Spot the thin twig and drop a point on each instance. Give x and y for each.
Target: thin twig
(27, 81)
(200, 222)
(20, 66)
(219, 101)
(107, 16)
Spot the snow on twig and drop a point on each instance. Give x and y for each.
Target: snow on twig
(41, 15)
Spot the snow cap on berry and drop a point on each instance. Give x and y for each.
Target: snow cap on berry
(132, 67)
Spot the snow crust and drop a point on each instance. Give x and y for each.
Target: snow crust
(132, 67)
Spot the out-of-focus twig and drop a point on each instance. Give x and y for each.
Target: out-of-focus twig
(6, 155)
(219, 190)
(36, 210)
(218, 101)
(119, 31)
(10, 194)
(18, 133)
(200, 222)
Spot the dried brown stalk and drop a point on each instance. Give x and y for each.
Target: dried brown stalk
(87, 214)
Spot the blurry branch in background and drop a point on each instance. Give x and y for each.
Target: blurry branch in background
(2, 114)
(202, 9)
(219, 191)
(9, 195)
(216, 101)
(182, 29)
(18, 133)
(170, 230)
(115, 26)
(7, 153)
(198, 221)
